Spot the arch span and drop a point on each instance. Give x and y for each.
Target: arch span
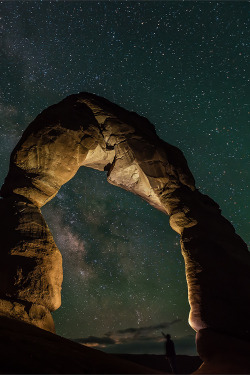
(87, 130)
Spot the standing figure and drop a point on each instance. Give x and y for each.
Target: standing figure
(170, 352)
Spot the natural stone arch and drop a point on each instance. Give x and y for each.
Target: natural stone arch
(87, 130)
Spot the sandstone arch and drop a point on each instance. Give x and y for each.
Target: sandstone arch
(87, 130)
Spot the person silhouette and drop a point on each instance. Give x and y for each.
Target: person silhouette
(170, 352)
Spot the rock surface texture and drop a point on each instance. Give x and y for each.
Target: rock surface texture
(87, 130)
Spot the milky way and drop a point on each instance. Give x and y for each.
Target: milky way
(183, 66)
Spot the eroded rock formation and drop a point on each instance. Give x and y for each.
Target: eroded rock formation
(86, 130)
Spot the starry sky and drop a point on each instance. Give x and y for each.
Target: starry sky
(181, 64)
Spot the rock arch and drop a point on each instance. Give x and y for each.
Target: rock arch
(87, 130)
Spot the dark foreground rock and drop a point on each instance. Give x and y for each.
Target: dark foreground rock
(26, 349)
(185, 364)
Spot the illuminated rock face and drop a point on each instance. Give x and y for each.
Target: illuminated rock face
(30, 266)
(86, 130)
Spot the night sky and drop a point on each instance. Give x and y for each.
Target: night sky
(181, 64)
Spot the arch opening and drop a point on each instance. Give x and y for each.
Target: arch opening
(119, 259)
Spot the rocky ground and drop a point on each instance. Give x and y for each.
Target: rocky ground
(26, 349)
(185, 364)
